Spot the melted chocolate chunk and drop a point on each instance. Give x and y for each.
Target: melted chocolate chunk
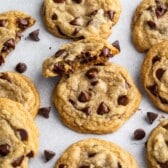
(102, 109)
(60, 31)
(9, 44)
(111, 14)
(93, 13)
(116, 44)
(2, 23)
(155, 59)
(23, 134)
(17, 162)
(92, 73)
(151, 24)
(77, 1)
(84, 166)
(139, 134)
(86, 110)
(54, 16)
(1, 60)
(48, 155)
(76, 31)
(23, 23)
(75, 22)
(63, 166)
(44, 111)
(73, 102)
(92, 155)
(159, 73)
(18, 35)
(59, 68)
(5, 76)
(4, 149)
(119, 165)
(164, 165)
(160, 10)
(94, 82)
(86, 57)
(163, 100)
(30, 154)
(84, 96)
(151, 117)
(123, 100)
(153, 89)
(21, 67)
(105, 52)
(59, 1)
(60, 52)
(89, 22)
(34, 35)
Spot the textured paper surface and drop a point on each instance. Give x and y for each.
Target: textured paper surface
(53, 134)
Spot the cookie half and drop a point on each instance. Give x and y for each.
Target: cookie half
(154, 72)
(76, 55)
(21, 89)
(149, 25)
(79, 19)
(12, 24)
(18, 135)
(95, 153)
(157, 148)
(96, 99)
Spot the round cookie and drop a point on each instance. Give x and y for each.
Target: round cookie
(96, 99)
(18, 135)
(80, 18)
(78, 54)
(21, 89)
(95, 153)
(157, 146)
(149, 25)
(154, 73)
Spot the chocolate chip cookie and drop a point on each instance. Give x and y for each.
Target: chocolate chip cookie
(95, 153)
(157, 146)
(79, 19)
(96, 99)
(149, 25)
(21, 89)
(154, 74)
(76, 55)
(12, 24)
(18, 135)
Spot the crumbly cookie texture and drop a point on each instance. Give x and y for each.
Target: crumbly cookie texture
(12, 24)
(157, 146)
(149, 25)
(154, 74)
(76, 55)
(96, 99)
(91, 153)
(18, 135)
(80, 18)
(21, 89)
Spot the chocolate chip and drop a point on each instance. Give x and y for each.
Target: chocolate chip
(153, 89)
(163, 100)
(4, 149)
(119, 165)
(151, 24)
(159, 73)
(93, 13)
(60, 31)
(92, 154)
(84, 96)
(59, 68)
(105, 52)
(63, 166)
(48, 155)
(111, 14)
(18, 161)
(77, 1)
(21, 67)
(34, 35)
(60, 52)
(59, 1)
(94, 82)
(5, 76)
(76, 31)
(151, 117)
(139, 134)
(75, 22)
(102, 109)
(2, 23)
(54, 16)
(1, 60)
(23, 23)
(86, 110)
(44, 111)
(123, 100)
(155, 59)
(23, 134)
(160, 10)
(89, 22)
(30, 154)
(164, 165)
(8, 44)
(84, 166)
(73, 102)
(92, 73)
(116, 44)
